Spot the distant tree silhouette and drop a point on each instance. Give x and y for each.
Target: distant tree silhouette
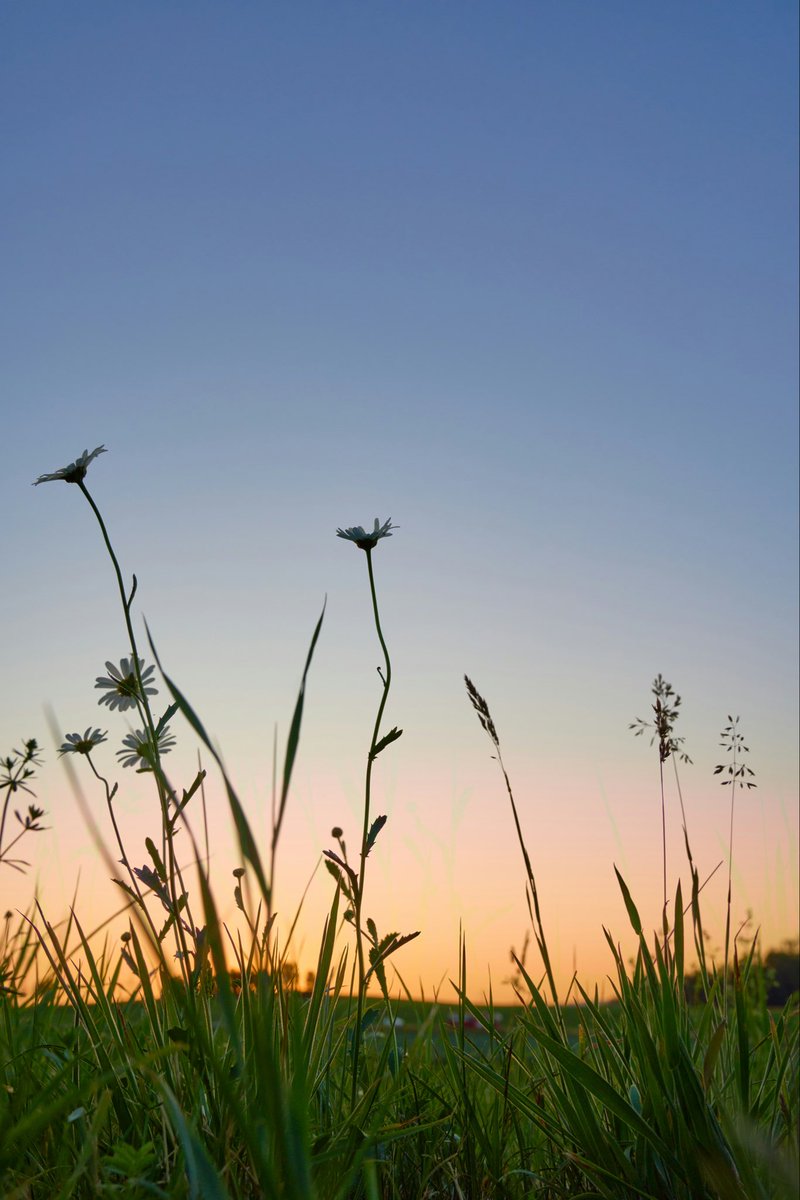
(783, 972)
(781, 976)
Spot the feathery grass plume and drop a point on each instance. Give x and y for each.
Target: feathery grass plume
(665, 710)
(485, 718)
(741, 776)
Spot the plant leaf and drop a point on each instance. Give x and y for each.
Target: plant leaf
(633, 913)
(375, 828)
(390, 737)
(156, 857)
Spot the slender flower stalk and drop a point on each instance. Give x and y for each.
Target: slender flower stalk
(143, 704)
(131, 684)
(362, 872)
(110, 792)
(75, 472)
(387, 683)
(127, 601)
(367, 541)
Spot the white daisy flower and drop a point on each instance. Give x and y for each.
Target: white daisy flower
(364, 540)
(75, 472)
(77, 743)
(122, 688)
(138, 750)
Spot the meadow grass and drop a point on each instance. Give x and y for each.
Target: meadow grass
(213, 1075)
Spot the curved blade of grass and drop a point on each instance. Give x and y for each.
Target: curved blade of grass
(633, 912)
(589, 1080)
(294, 731)
(204, 1182)
(243, 831)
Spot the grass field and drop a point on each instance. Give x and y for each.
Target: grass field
(211, 1075)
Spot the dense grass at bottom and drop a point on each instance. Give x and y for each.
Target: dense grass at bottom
(248, 1095)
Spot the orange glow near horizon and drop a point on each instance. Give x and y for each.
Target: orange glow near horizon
(444, 872)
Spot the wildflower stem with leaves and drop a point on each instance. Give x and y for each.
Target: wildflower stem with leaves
(149, 739)
(353, 884)
(127, 687)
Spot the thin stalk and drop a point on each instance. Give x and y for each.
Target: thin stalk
(110, 806)
(532, 895)
(359, 891)
(167, 847)
(387, 681)
(728, 906)
(663, 833)
(13, 843)
(126, 605)
(680, 796)
(273, 841)
(3, 822)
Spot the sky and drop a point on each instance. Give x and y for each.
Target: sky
(521, 277)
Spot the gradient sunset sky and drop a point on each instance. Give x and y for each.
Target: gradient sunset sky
(520, 276)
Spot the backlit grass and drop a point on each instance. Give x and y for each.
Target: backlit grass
(211, 1074)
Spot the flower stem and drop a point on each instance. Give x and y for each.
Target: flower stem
(121, 845)
(167, 847)
(387, 681)
(123, 596)
(359, 892)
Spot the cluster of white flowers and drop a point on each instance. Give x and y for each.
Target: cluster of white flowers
(121, 691)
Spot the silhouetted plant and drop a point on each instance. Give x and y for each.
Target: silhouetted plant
(351, 882)
(741, 776)
(227, 1081)
(17, 772)
(662, 727)
(125, 687)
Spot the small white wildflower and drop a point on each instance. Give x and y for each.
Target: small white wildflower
(364, 540)
(75, 472)
(138, 750)
(77, 743)
(122, 689)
